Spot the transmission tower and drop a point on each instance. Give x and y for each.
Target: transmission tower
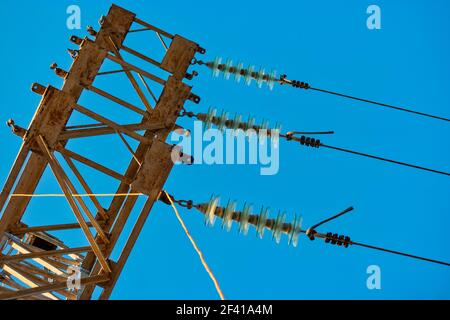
(34, 262)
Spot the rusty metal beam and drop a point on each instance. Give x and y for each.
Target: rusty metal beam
(27, 279)
(14, 172)
(140, 55)
(117, 100)
(111, 124)
(152, 27)
(40, 254)
(131, 77)
(24, 248)
(56, 227)
(49, 288)
(62, 180)
(130, 66)
(118, 267)
(83, 133)
(90, 163)
(86, 187)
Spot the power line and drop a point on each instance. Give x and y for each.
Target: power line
(380, 104)
(316, 143)
(400, 253)
(334, 239)
(385, 159)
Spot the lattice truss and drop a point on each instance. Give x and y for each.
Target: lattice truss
(35, 260)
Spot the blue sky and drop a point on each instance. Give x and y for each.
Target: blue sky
(325, 43)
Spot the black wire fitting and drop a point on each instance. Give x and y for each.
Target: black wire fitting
(310, 142)
(300, 84)
(304, 140)
(185, 113)
(294, 83)
(186, 203)
(195, 61)
(336, 239)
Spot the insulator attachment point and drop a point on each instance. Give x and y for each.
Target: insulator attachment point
(38, 88)
(194, 98)
(58, 71)
(73, 53)
(17, 130)
(91, 31)
(201, 50)
(310, 233)
(76, 40)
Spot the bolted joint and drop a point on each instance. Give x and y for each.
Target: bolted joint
(186, 159)
(91, 31)
(17, 130)
(179, 156)
(38, 88)
(201, 50)
(311, 234)
(76, 40)
(189, 204)
(194, 98)
(73, 53)
(102, 20)
(191, 76)
(58, 71)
